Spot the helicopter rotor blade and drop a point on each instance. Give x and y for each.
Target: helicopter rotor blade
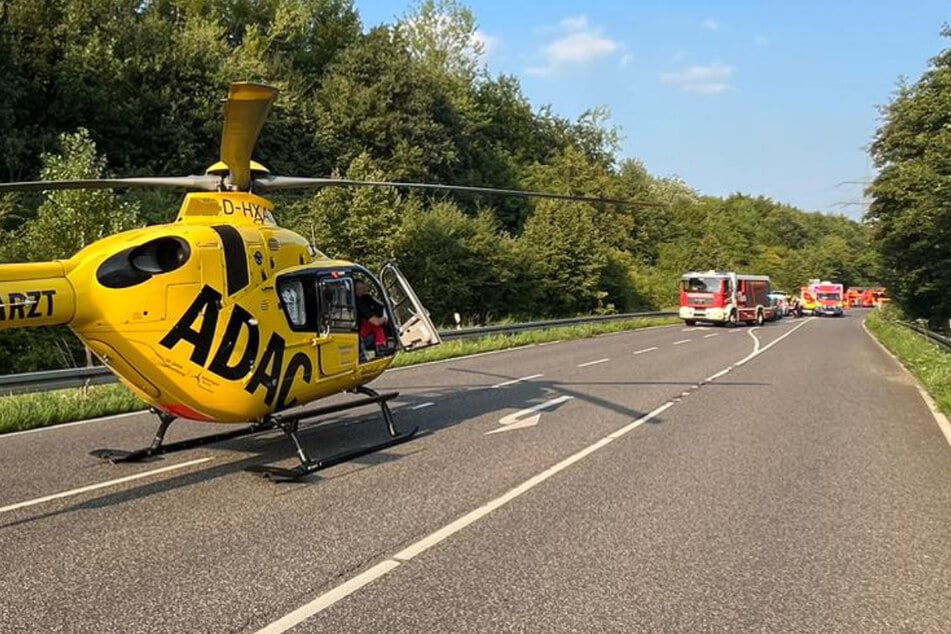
(297, 182)
(201, 183)
(244, 114)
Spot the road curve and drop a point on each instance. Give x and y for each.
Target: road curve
(782, 478)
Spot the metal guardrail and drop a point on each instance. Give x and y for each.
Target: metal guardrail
(55, 380)
(99, 375)
(509, 329)
(939, 339)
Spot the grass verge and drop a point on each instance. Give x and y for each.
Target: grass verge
(29, 411)
(928, 362)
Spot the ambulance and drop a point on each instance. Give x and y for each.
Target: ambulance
(823, 298)
(725, 297)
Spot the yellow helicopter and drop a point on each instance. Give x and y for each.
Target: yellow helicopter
(222, 315)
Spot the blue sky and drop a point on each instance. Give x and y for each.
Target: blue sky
(770, 98)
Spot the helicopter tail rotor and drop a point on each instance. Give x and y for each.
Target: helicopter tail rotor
(36, 294)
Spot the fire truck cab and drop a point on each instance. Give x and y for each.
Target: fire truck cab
(725, 297)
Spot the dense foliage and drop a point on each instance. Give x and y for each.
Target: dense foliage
(132, 87)
(911, 206)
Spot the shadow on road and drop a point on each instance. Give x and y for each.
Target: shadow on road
(365, 427)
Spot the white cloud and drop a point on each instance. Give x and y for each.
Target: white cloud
(712, 88)
(579, 44)
(580, 47)
(760, 41)
(710, 24)
(705, 80)
(575, 23)
(626, 59)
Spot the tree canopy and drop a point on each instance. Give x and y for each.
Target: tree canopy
(910, 212)
(133, 88)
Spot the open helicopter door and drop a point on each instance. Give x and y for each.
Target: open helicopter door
(416, 330)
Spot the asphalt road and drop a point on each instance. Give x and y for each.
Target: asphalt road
(785, 478)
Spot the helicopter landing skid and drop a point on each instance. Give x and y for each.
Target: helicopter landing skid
(158, 446)
(290, 425)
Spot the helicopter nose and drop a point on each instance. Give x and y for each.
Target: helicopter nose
(36, 294)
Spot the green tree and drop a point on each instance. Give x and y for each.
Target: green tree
(442, 35)
(72, 219)
(360, 224)
(910, 212)
(567, 255)
(463, 264)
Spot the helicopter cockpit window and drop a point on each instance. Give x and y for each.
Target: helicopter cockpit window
(292, 299)
(338, 311)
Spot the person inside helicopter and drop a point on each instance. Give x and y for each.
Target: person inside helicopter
(371, 319)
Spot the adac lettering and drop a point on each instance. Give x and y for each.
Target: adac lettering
(270, 371)
(28, 305)
(258, 213)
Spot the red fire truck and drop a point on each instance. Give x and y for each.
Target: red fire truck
(725, 297)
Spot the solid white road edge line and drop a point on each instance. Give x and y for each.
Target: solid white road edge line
(943, 424)
(514, 381)
(590, 363)
(102, 485)
(324, 601)
(347, 588)
(73, 424)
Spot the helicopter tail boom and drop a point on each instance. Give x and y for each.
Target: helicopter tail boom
(35, 294)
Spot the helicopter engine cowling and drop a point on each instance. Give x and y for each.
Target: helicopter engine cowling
(35, 294)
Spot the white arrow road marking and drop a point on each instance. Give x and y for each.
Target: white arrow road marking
(528, 417)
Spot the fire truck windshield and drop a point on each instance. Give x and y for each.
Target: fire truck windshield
(702, 284)
(828, 296)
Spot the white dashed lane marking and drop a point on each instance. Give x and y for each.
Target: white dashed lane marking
(514, 381)
(590, 363)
